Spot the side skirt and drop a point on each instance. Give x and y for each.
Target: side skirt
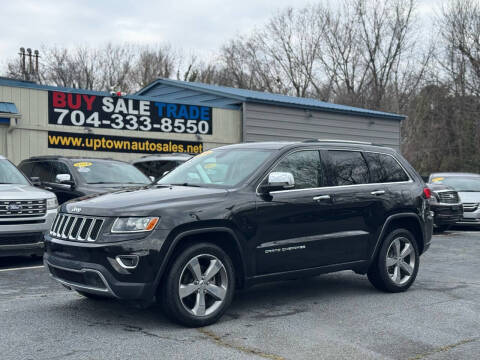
(357, 266)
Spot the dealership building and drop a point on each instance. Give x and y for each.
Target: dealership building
(171, 116)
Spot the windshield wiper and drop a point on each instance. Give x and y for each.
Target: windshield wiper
(103, 182)
(186, 184)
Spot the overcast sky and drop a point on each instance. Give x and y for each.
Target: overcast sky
(196, 26)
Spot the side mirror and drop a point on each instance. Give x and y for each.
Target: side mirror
(35, 181)
(165, 173)
(64, 179)
(278, 181)
(152, 178)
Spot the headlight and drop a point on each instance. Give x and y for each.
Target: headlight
(52, 203)
(134, 224)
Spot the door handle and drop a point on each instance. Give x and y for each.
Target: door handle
(321, 197)
(378, 192)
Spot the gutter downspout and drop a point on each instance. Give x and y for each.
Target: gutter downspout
(244, 122)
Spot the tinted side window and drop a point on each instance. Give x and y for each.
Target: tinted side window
(26, 168)
(58, 168)
(346, 168)
(384, 168)
(42, 170)
(305, 168)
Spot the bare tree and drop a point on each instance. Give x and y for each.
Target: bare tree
(153, 63)
(459, 27)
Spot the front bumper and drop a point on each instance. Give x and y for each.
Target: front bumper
(470, 218)
(93, 267)
(447, 214)
(24, 236)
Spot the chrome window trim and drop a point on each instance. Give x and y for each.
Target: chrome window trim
(337, 186)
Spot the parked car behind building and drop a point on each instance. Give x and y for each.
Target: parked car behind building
(72, 177)
(468, 187)
(445, 204)
(155, 166)
(245, 214)
(26, 213)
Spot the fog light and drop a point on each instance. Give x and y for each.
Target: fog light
(127, 261)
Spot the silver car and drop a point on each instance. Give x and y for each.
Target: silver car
(468, 187)
(26, 213)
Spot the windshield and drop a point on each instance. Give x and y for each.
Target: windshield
(464, 184)
(217, 168)
(9, 174)
(157, 168)
(109, 172)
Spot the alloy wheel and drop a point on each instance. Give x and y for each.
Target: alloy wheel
(203, 285)
(400, 260)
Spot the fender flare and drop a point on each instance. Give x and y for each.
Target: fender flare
(385, 226)
(177, 239)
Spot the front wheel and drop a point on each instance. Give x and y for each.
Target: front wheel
(396, 265)
(199, 286)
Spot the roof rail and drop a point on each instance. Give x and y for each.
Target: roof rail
(338, 140)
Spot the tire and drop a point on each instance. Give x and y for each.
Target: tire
(188, 285)
(441, 228)
(92, 296)
(401, 271)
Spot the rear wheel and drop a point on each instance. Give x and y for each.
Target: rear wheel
(396, 265)
(199, 286)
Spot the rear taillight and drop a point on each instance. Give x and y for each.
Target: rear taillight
(427, 192)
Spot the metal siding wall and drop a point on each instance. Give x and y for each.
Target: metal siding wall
(3, 139)
(30, 137)
(270, 123)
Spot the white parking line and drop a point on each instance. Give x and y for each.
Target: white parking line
(23, 268)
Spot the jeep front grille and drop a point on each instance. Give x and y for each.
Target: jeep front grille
(22, 208)
(448, 197)
(76, 227)
(470, 207)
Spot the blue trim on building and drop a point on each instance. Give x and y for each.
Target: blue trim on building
(33, 85)
(4, 120)
(243, 95)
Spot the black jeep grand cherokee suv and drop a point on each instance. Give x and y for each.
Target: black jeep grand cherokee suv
(243, 214)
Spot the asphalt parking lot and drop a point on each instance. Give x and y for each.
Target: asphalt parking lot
(337, 316)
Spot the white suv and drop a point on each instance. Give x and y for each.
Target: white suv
(26, 213)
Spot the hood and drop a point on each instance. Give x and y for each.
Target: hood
(140, 201)
(469, 197)
(23, 192)
(439, 187)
